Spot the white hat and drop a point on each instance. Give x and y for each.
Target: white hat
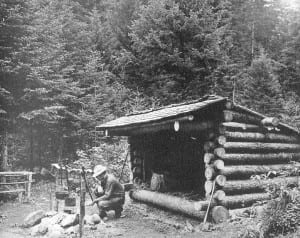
(99, 169)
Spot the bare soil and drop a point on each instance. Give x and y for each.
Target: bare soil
(140, 220)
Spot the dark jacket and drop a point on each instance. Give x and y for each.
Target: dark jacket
(112, 188)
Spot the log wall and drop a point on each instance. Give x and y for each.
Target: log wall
(244, 146)
(234, 146)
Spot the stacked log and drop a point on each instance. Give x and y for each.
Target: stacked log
(246, 145)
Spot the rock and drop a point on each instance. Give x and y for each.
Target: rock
(88, 219)
(50, 213)
(43, 228)
(34, 218)
(70, 220)
(55, 231)
(72, 230)
(96, 219)
(34, 231)
(38, 230)
(56, 219)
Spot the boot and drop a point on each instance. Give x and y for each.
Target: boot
(102, 214)
(118, 212)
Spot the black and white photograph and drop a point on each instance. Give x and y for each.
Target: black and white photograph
(150, 118)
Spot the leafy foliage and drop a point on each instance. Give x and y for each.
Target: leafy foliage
(282, 214)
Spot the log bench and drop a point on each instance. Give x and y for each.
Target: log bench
(18, 182)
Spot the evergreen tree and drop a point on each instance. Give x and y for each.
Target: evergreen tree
(260, 89)
(174, 48)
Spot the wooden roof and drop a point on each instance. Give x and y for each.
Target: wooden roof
(172, 112)
(169, 112)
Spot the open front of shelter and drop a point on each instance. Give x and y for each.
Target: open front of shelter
(208, 152)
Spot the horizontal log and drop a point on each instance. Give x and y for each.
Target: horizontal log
(269, 158)
(252, 136)
(173, 203)
(142, 128)
(281, 126)
(270, 121)
(243, 200)
(244, 171)
(230, 116)
(236, 126)
(252, 211)
(248, 186)
(258, 146)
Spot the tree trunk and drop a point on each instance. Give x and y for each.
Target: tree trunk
(248, 186)
(4, 151)
(31, 147)
(270, 158)
(252, 136)
(230, 116)
(258, 146)
(176, 204)
(243, 171)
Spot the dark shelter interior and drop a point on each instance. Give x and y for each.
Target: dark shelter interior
(174, 155)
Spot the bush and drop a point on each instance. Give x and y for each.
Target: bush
(282, 214)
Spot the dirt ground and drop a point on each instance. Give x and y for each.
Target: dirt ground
(140, 220)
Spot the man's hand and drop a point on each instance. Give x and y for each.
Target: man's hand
(90, 203)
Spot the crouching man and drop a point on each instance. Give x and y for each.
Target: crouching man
(113, 195)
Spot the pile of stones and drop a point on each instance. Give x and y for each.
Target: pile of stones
(53, 224)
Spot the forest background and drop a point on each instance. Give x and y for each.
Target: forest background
(69, 65)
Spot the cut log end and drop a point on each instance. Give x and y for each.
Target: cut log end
(221, 140)
(219, 152)
(220, 180)
(208, 187)
(208, 157)
(219, 214)
(219, 164)
(219, 195)
(209, 173)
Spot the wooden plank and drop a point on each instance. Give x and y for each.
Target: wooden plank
(12, 183)
(29, 185)
(13, 191)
